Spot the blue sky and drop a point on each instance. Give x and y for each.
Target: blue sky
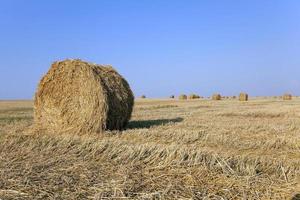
(162, 47)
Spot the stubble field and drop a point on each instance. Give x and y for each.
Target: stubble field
(194, 149)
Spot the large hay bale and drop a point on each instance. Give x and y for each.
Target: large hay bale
(194, 96)
(80, 97)
(182, 97)
(216, 97)
(243, 97)
(287, 97)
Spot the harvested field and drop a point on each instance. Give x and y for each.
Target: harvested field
(172, 149)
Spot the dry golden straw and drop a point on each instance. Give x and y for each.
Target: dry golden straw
(167, 139)
(182, 97)
(80, 97)
(243, 97)
(216, 97)
(287, 97)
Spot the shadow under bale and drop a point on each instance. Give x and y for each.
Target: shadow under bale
(150, 123)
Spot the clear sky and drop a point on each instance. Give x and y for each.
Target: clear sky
(162, 47)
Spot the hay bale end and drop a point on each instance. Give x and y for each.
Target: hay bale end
(216, 97)
(80, 97)
(287, 97)
(194, 96)
(243, 96)
(182, 97)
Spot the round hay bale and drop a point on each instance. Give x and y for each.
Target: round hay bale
(243, 97)
(182, 97)
(80, 97)
(287, 97)
(216, 97)
(143, 97)
(194, 96)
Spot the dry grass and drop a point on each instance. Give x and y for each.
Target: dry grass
(171, 150)
(76, 96)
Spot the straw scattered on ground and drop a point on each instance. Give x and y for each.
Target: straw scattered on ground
(171, 150)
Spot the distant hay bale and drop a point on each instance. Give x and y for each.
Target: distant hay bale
(172, 97)
(143, 97)
(287, 97)
(80, 97)
(182, 97)
(233, 97)
(216, 97)
(243, 97)
(225, 97)
(194, 96)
